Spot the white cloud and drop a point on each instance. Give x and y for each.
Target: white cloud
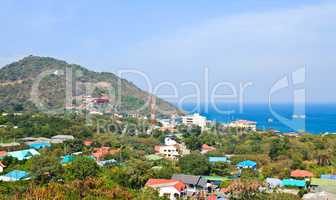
(258, 47)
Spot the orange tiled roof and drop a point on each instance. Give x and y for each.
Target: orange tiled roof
(301, 173)
(157, 182)
(88, 142)
(208, 148)
(101, 152)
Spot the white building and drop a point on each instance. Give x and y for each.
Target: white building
(2, 167)
(165, 123)
(168, 151)
(195, 119)
(61, 138)
(243, 124)
(172, 189)
(169, 141)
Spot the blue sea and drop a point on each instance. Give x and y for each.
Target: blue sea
(315, 118)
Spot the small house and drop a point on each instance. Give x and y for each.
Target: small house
(215, 180)
(172, 189)
(87, 143)
(107, 162)
(247, 164)
(301, 174)
(39, 145)
(67, 159)
(206, 149)
(195, 184)
(23, 154)
(328, 176)
(293, 183)
(273, 182)
(61, 138)
(221, 159)
(101, 152)
(15, 175)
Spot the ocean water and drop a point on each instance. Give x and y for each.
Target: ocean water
(316, 118)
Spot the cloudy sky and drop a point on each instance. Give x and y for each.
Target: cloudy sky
(174, 43)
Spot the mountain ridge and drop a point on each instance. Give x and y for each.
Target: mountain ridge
(17, 81)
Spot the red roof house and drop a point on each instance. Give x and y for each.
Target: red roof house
(167, 187)
(3, 153)
(88, 142)
(206, 148)
(99, 153)
(301, 174)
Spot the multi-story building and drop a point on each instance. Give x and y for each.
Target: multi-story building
(168, 151)
(243, 124)
(195, 119)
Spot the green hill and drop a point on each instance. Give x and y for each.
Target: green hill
(50, 78)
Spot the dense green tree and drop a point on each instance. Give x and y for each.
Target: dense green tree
(195, 163)
(45, 168)
(275, 149)
(133, 174)
(193, 142)
(82, 168)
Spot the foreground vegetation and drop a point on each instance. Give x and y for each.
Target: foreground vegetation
(275, 155)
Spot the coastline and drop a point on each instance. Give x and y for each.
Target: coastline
(319, 118)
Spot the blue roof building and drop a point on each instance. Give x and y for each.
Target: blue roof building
(39, 145)
(23, 154)
(247, 164)
(293, 183)
(14, 175)
(67, 159)
(328, 176)
(219, 159)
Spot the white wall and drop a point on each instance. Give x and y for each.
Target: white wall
(169, 190)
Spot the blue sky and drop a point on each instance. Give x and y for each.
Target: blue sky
(257, 41)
